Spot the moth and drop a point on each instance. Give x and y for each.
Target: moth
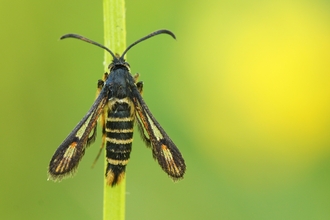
(118, 106)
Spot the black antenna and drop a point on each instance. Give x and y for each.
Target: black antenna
(163, 31)
(88, 41)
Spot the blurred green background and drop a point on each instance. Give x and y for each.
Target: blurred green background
(244, 92)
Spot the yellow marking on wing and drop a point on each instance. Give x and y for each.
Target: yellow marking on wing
(65, 162)
(172, 168)
(71, 150)
(154, 129)
(81, 131)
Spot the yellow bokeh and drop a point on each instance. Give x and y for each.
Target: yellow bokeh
(263, 88)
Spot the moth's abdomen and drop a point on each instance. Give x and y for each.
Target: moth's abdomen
(119, 138)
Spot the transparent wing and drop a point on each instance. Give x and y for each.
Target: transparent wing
(67, 156)
(163, 148)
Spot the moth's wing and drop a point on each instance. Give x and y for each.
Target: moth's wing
(142, 131)
(67, 156)
(163, 148)
(102, 118)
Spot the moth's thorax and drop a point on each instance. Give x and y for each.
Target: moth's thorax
(119, 83)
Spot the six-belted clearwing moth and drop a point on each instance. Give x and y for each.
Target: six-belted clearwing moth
(118, 106)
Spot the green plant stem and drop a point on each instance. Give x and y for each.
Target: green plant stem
(115, 40)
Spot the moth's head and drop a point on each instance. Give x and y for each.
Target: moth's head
(118, 62)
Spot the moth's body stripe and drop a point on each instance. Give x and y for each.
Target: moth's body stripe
(113, 102)
(127, 130)
(117, 119)
(117, 162)
(119, 141)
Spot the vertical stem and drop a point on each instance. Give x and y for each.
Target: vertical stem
(115, 40)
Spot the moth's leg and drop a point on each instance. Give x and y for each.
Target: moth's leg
(136, 77)
(139, 86)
